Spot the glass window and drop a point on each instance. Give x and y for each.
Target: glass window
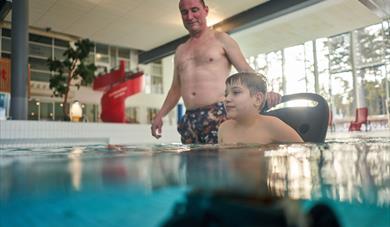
(6, 32)
(40, 39)
(5, 55)
(58, 111)
(386, 34)
(132, 115)
(4, 105)
(343, 94)
(101, 69)
(102, 58)
(113, 57)
(124, 53)
(40, 50)
(38, 63)
(309, 66)
(6, 44)
(46, 111)
(90, 112)
(40, 76)
(261, 65)
(59, 53)
(157, 87)
(252, 62)
(294, 69)
(275, 71)
(61, 43)
(151, 114)
(33, 109)
(323, 67)
(374, 88)
(339, 53)
(370, 45)
(101, 49)
(156, 69)
(148, 83)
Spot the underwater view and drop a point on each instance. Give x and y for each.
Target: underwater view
(343, 182)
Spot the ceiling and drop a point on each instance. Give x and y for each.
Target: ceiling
(139, 24)
(327, 18)
(147, 24)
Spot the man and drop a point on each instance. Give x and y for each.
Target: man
(201, 66)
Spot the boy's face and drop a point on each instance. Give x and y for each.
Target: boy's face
(239, 102)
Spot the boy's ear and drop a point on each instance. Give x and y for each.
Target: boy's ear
(259, 99)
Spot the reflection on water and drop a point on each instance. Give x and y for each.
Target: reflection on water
(347, 172)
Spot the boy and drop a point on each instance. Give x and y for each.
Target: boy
(244, 97)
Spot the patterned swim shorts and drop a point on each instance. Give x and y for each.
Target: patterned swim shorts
(201, 125)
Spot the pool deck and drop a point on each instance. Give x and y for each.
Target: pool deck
(372, 133)
(51, 133)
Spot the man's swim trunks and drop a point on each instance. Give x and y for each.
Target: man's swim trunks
(201, 125)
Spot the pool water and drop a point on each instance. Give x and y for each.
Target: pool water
(209, 185)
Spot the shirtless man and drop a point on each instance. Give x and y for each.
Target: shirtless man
(201, 66)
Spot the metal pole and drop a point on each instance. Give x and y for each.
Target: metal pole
(386, 61)
(19, 60)
(283, 73)
(358, 86)
(316, 79)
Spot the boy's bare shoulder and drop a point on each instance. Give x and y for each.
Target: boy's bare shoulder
(272, 122)
(270, 119)
(227, 123)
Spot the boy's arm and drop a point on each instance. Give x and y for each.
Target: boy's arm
(283, 133)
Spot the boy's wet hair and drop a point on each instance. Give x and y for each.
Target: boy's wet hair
(255, 82)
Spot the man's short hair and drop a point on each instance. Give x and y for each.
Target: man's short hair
(201, 1)
(255, 82)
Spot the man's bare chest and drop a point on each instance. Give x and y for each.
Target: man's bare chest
(201, 55)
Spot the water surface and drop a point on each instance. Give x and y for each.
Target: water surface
(149, 185)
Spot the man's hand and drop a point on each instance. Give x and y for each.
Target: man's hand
(273, 99)
(157, 127)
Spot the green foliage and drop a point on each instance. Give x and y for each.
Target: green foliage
(73, 68)
(339, 49)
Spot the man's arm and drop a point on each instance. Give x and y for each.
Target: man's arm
(233, 53)
(170, 102)
(235, 56)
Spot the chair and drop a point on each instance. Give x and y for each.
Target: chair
(360, 118)
(310, 122)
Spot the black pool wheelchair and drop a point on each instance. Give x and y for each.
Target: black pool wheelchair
(311, 122)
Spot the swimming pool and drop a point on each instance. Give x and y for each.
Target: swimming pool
(173, 184)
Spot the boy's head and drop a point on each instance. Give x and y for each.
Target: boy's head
(256, 83)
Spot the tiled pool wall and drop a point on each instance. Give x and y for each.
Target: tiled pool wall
(31, 133)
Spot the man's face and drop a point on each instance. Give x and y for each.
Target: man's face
(193, 14)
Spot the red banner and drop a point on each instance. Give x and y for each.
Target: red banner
(5, 75)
